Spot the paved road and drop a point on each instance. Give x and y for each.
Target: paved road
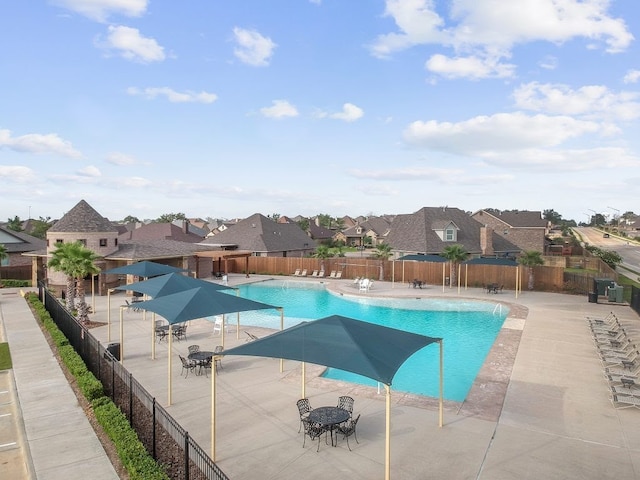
(628, 250)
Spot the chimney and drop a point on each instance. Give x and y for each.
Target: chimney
(185, 226)
(486, 240)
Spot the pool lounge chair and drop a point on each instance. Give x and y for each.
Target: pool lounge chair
(315, 273)
(339, 274)
(297, 272)
(303, 273)
(332, 274)
(321, 274)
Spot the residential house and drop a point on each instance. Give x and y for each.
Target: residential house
(372, 231)
(162, 231)
(526, 229)
(17, 243)
(431, 229)
(264, 238)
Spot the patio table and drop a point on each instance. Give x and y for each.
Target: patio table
(329, 417)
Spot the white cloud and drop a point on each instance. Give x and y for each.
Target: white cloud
(17, 173)
(349, 113)
(632, 76)
(49, 143)
(549, 62)
(252, 48)
(472, 67)
(591, 101)
(418, 24)
(131, 45)
(173, 96)
(90, 171)
(280, 109)
(120, 159)
(486, 30)
(134, 182)
(100, 10)
(483, 135)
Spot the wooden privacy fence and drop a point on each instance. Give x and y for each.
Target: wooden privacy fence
(546, 278)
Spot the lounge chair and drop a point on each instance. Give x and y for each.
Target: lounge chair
(321, 274)
(315, 273)
(621, 399)
(296, 273)
(332, 274)
(364, 285)
(338, 274)
(251, 337)
(303, 273)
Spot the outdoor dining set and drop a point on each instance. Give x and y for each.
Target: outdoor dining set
(328, 419)
(198, 361)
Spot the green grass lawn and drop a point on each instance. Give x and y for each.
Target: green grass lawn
(5, 356)
(627, 282)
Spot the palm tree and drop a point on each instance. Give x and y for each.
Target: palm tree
(455, 254)
(382, 251)
(530, 259)
(61, 262)
(76, 261)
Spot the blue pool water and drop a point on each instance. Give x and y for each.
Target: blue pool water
(468, 328)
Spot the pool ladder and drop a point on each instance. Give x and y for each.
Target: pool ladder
(498, 307)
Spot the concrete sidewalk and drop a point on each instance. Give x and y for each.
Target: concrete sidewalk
(45, 433)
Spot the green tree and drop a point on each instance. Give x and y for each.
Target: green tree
(76, 262)
(530, 259)
(322, 252)
(611, 258)
(325, 220)
(304, 224)
(455, 254)
(170, 217)
(14, 224)
(3, 253)
(382, 251)
(274, 216)
(130, 219)
(552, 216)
(39, 227)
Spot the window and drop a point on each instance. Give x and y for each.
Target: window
(59, 240)
(103, 242)
(449, 235)
(83, 241)
(116, 242)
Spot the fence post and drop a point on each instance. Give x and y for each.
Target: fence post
(186, 455)
(130, 399)
(153, 428)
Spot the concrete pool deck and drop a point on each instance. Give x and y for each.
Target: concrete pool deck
(539, 407)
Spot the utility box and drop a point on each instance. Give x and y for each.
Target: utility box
(600, 285)
(114, 350)
(616, 293)
(593, 297)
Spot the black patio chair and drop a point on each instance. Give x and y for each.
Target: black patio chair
(347, 430)
(180, 332)
(313, 431)
(193, 349)
(304, 409)
(187, 366)
(346, 403)
(217, 356)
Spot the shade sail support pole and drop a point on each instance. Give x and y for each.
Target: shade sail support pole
(169, 365)
(153, 336)
(441, 387)
(281, 329)
(121, 337)
(213, 412)
(304, 374)
(109, 314)
(387, 440)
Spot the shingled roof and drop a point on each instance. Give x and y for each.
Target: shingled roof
(20, 242)
(258, 233)
(517, 218)
(83, 218)
(416, 232)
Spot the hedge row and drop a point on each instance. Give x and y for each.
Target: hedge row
(135, 458)
(8, 283)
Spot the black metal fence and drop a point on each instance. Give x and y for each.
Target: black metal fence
(163, 437)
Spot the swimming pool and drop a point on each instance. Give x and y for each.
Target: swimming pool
(468, 328)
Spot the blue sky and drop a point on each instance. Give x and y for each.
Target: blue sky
(228, 108)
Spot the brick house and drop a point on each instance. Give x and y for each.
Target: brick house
(526, 229)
